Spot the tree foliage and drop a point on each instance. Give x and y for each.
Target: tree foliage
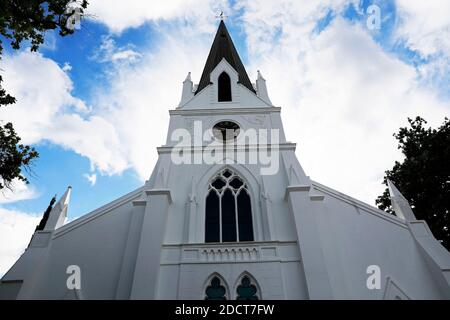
(5, 98)
(27, 20)
(13, 156)
(424, 176)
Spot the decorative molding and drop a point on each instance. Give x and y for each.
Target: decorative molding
(224, 111)
(296, 188)
(361, 205)
(317, 197)
(160, 192)
(302, 188)
(139, 203)
(248, 147)
(230, 252)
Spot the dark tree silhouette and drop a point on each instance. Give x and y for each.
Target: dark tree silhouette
(44, 219)
(424, 176)
(5, 98)
(27, 20)
(13, 156)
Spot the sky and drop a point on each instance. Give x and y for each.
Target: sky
(95, 104)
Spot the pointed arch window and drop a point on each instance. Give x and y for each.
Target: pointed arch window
(228, 216)
(247, 290)
(224, 84)
(215, 290)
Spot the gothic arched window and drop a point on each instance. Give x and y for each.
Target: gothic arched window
(224, 93)
(246, 290)
(228, 215)
(215, 290)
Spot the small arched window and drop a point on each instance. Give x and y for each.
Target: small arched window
(215, 290)
(228, 216)
(224, 93)
(247, 289)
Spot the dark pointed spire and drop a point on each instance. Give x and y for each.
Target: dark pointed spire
(223, 47)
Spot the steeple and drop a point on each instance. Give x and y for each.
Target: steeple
(187, 90)
(58, 213)
(223, 47)
(399, 203)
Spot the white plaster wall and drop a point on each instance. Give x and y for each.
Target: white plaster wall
(96, 247)
(353, 238)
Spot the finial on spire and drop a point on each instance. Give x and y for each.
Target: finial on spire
(56, 213)
(261, 88)
(188, 90)
(260, 77)
(221, 16)
(188, 77)
(399, 203)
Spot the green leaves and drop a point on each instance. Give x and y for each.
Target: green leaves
(29, 19)
(13, 156)
(5, 98)
(424, 176)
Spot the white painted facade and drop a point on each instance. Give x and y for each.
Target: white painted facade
(310, 241)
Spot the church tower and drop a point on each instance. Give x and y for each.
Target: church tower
(229, 213)
(224, 219)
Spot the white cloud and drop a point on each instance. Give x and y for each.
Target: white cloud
(16, 229)
(119, 16)
(95, 138)
(342, 96)
(425, 28)
(66, 67)
(271, 24)
(92, 178)
(19, 191)
(109, 52)
(425, 25)
(50, 112)
(24, 74)
(128, 55)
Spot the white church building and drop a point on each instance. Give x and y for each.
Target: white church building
(229, 213)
